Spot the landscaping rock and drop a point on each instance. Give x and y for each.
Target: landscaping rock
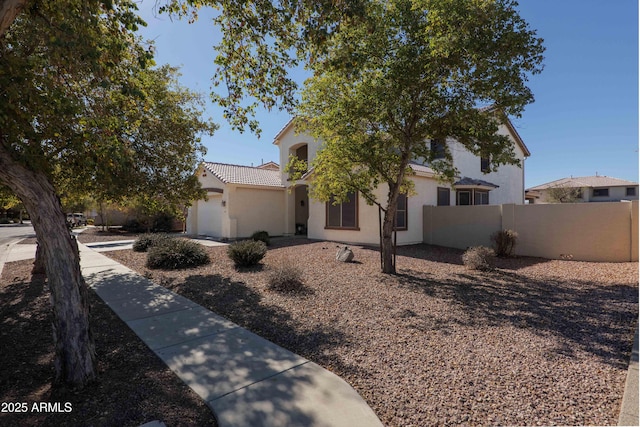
(344, 254)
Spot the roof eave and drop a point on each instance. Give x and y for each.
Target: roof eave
(285, 129)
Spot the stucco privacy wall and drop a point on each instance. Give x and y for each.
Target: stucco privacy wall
(461, 226)
(606, 232)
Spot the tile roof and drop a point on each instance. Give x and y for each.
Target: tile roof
(465, 181)
(417, 167)
(247, 175)
(585, 181)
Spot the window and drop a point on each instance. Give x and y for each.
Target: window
(437, 149)
(463, 197)
(472, 197)
(631, 191)
(444, 198)
(600, 192)
(480, 197)
(343, 215)
(485, 164)
(401, 213)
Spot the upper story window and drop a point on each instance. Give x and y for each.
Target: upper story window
(444, 196)
(437, 149)
(343, 215)
(298, 160)
(631, 191)
(302, 153)
(600, 192)
(485, 164)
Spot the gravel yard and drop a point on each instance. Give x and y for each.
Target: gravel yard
(534, 342)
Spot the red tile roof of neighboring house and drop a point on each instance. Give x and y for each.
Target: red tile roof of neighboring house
(246, 175)
(585, 181)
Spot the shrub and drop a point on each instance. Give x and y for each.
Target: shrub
(174, 253)
(5, 221)
(147, 240)
(477, 258)
(261, 236)
(162, 222)
(285, 278)
(133, 226)
(247, 252)
(504, 242)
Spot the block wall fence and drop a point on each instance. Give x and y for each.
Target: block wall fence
(603, 232)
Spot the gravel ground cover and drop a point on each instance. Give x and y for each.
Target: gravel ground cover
(533, 342)
(133, 386)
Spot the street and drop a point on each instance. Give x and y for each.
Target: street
(13, 232)
(10, 233)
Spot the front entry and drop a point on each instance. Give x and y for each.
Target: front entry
(301, 209)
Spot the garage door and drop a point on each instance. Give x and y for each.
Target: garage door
(210, 216)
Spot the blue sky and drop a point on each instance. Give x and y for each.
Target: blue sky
(584, 120)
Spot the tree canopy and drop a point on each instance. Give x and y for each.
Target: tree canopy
(83, 107)
(407, 72)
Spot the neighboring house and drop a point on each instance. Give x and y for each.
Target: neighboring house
(285, 208)
(583, 189)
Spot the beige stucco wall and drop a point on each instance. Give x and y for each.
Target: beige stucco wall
(288, 142)
(254, 209)
(585, 232)
(369, 232)
(509, 178)
(461, 226)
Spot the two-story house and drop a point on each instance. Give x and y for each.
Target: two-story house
(245, 199)
(583, 189)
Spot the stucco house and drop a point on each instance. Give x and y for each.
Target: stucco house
(245, 199)
(240, 201)
(583, 189)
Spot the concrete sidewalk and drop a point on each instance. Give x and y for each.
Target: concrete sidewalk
(629, 407)
(245, 379)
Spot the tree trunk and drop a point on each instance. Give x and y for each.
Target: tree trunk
(9, 9)
(386, 244)
(75, 352)
(39, 266)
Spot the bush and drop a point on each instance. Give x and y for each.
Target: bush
(247, 252)
(147, 240)
(5, 221)
(504, 242)
(477, 258)
(261, 236)
(133, 226)
(285, 278)
(162, 222)
(174, 253)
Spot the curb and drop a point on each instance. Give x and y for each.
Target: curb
(5, 254)
(629, 407)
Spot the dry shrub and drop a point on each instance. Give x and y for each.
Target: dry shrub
(504, 242)
(286, 278)
(477, 258)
